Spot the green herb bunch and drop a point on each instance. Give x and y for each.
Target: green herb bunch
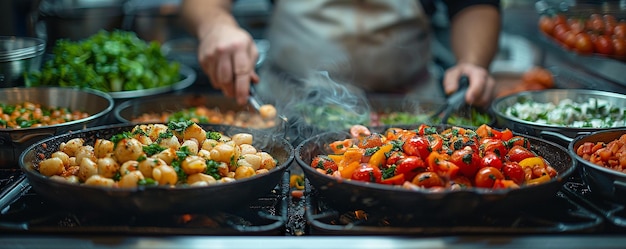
(107, 61)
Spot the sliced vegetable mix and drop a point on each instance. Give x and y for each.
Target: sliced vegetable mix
(28, 114)
(423, 158)
(107, 61)
(595, 112)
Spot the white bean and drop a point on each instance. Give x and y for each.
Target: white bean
(164, 175)
(51, 166)
(128, 149)
(244, 172)
(200, 177)
(168, 155)
(103, 147)
(128, 167)
(64, 158)
(130, 180)
(97, 180)
(192, 146)
(87, 169)
(71, 146)
(171, 142)
(267, 161)
(247, 149)
(147, 166)
(193, 164)
(107, 167)
(242, 138)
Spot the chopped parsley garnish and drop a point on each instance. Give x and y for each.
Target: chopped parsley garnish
(153, 149)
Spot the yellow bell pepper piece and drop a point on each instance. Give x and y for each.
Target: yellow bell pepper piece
(348, 170)
(531, 162)
(352, 155)
(336, 158)
(378, 158)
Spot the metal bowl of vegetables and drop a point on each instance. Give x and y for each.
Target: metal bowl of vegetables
(205, 108)
(117, 62)
(399, 110)
(28, 115)
(560, 114)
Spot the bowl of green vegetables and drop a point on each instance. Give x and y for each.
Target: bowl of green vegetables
(116, 62)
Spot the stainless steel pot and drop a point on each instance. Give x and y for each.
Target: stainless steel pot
(560, 134)
(17, 56)
(605, 182)
(77, 19)
(14, 141)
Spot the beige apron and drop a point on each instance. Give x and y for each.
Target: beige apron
(380, 46)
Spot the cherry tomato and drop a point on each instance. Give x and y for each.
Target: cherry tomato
(513, 171)
(508, 134)
(609, 24)
(583, 45)
(416, 146)
(460, 182)
(394, 180)
(619, 31)
(487, 176)
(559, 32)
(467, 160)
(324, 162)
(394, 157)
(603, 45)
(492, 145)
(445, 168)
(569, 39)
(518, 140)
(518, 153)
(410, 167)
(559, 19)
(428, 180)
(576, 25)
(619, 47)
(491, 160)
(367, 173)
(435, 141)
(546, 24)
(596, 23)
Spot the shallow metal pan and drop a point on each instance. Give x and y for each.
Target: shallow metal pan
(557, 133)
(160, 199)
(14, 141)
(346, 195)
(605, 182)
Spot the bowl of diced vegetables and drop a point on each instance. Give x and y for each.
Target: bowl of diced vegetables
(116, 62)
(29, 114)
(563, 114)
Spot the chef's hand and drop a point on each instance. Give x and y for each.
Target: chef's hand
(481, 84)
(228, 54)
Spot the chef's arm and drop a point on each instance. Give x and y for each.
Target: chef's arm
(202, 15)
(474, 34)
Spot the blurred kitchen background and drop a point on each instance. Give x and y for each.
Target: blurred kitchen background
(522, 46)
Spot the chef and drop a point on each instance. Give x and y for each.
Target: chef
(373, 45)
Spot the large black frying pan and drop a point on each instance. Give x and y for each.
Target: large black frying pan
(156, 200)
(346, 195)
(605, 182)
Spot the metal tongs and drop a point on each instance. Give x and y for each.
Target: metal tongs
(252, 99)
(454, 101)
